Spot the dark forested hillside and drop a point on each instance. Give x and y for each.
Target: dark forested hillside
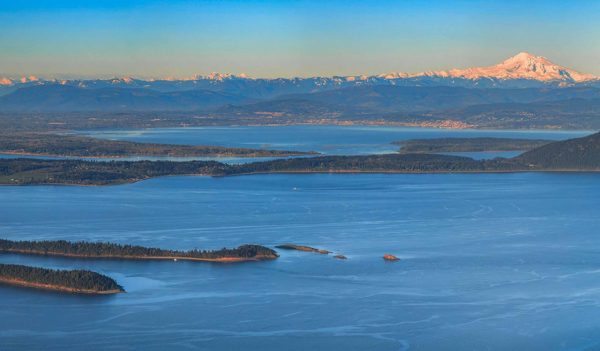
(409, 163)
(573, 154)
(438, 145)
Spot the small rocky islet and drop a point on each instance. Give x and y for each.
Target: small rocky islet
(302, 248)
(310, 249)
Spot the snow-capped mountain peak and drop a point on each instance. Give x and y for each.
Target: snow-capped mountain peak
(224, 76)
(122, 80)
(6, 81)
(521, 66)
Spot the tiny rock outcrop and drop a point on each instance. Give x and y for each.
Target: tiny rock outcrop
(389, 257)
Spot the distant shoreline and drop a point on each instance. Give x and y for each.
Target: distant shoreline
(475, 128)
(120, 157)
(47, 144)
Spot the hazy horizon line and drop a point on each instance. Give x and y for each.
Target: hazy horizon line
(109, 76)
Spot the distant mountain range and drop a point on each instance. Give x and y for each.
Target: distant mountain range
(522, 88)
(520, 71)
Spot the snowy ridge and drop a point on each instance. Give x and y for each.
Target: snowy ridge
(523, 69)
(521, 66)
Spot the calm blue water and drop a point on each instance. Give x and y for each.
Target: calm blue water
(331, 140)
(489, 261)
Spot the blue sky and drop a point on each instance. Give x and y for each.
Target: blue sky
(149, 38)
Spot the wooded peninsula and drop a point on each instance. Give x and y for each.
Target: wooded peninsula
(71, 281)
(47, 144)
(99, 250)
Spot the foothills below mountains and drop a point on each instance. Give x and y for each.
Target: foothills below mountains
(524, 91)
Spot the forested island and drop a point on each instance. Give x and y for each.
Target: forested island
(25, 171)
(439, 145)
(581, 154)
(46, 144)
(387, 163)
(99, 250)
(72, 281)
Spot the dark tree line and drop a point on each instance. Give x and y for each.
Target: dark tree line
(438, 145)
(92, 249)
(35, 171)
(74, 279)
(73, 145)
(24, 171)
(410, 163)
